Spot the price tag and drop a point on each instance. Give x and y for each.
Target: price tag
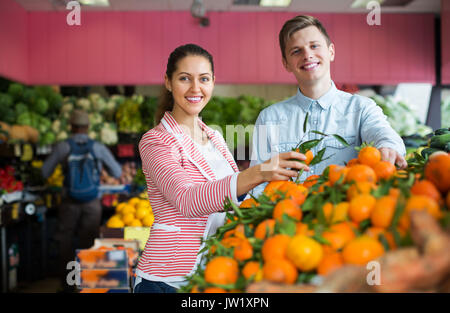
(137, 233)
(15, 211)
(27, 153)
(17, 150)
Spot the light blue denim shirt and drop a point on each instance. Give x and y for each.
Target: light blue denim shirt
(357, 119)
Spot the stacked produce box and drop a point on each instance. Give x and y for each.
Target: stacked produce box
(108, 266)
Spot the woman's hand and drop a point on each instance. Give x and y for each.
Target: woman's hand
(280, 167)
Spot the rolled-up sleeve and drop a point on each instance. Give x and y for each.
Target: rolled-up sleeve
(112, 166)
(191, 199)
(376, 128)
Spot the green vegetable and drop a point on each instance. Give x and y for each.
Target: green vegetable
(7, 115)
(33, 119)
(24, 118)
(29, 96)
(148, 110)
(439, 141)
(428, 151)
(6, 100)
(47, 139)
(447, 147)
(40, 106)
(128, 117)
(16, 91)
(442, 131)
(20, 108)
(45, 124)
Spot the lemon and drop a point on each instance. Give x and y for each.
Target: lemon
(148, 220)
(128, 218)
(136, 223)
(142, 212)
(120, 206)
(143, 203)
(133, 201)
(115, 222)
(128, 209)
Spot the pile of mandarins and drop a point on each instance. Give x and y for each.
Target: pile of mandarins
(348, 215)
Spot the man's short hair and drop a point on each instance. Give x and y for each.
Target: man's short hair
(297, 23)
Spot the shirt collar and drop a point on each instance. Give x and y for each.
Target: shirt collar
(80, 137)
(325, 101)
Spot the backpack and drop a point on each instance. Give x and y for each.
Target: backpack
(82, 176)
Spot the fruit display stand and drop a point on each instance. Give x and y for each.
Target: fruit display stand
(363, 227)
(22, 229)
(424, 267)
(108, 267)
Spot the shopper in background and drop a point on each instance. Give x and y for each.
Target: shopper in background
(80, 211)
(190, 172)
(307, 53)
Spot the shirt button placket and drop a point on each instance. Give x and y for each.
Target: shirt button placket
(315, 118)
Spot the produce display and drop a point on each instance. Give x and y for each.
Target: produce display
(301, 232)
(137, 212)
(221, 111)
(445, 112)
(440, 141)
(293, 237)
(401, 117)
(30, 106)
(102, 125)
(127, 177)
(8, 181)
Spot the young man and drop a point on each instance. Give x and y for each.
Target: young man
(75, 217)
(307, 53)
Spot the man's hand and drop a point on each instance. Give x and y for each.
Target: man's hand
(390, 155)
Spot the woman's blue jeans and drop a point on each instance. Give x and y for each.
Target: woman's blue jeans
(147, 286)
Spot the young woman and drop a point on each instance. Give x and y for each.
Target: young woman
(190, 172)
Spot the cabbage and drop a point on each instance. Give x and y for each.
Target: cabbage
(16, 90)
(40, 106)
(67, 107)
(47, 138)
(21, 108)
(83, 104)
(62, 135)
(25, 118)
(56, 126)
(29, 96)
(93, 135)
(95, 119)
(6, 100)
(98, 103)
(45, 125)
(108, 134)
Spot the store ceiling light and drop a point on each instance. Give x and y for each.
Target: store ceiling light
(95, 3)
(275, 3)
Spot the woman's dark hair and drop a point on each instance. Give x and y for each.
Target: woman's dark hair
(166, 99)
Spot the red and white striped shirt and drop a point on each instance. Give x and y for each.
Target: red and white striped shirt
(183, 192)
